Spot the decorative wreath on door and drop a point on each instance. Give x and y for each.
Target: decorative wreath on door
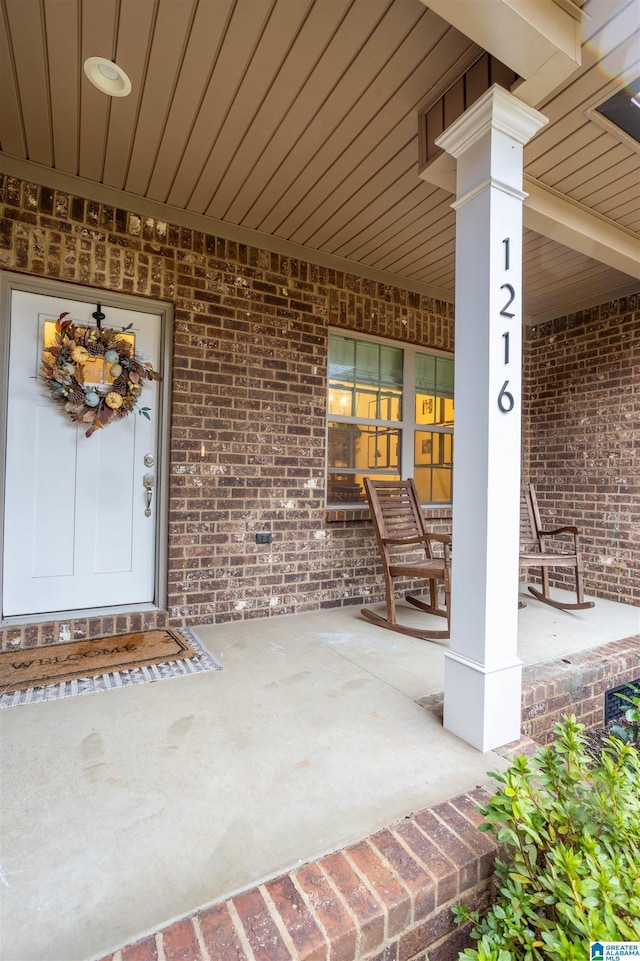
(95, 404)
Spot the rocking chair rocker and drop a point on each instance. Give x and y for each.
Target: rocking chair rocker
(406, 552)
(535, 553)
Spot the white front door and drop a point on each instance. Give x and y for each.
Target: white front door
(78, 532)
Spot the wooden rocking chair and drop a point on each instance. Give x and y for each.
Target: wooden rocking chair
(406, 552)
(534, 552)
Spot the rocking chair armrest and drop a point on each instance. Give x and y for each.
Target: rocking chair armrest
(545, 535)
(559, 530)
(441, 538)
(445, 540)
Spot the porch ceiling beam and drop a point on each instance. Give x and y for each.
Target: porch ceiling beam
(567, 222)
(556, 216)
(540, 41)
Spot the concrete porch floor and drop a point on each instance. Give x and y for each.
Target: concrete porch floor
(124, 810)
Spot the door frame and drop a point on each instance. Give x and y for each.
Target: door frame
(10, 281)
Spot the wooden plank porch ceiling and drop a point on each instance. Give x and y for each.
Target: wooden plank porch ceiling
(298, 119)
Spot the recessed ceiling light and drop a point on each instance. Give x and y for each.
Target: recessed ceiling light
(107, 76)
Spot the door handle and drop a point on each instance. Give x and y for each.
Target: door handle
(148, 481)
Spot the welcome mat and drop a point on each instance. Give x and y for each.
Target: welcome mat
(100, 664)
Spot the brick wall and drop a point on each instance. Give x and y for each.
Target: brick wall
(249, 387)
(581, 390)
(576, 684)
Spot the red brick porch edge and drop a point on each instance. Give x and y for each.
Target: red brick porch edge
(576, 684)
(389, 897)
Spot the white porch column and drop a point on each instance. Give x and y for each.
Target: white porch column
(483, 675)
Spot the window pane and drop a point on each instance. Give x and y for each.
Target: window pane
(434, 484)
(340, 400)
(363, 448)
(391, 367)
(425, 373)
(441, 486)
(344, 443)
(444, 411)
(390, 370)
(355, 452)
(383, 449)
(425, 408)
(342, 366)
(423, 448)
(422, 478)
(344, 488)
(365, 379)
(444, 377)
(367, 363)
(342, 360)
(378, 405)
(366, 406)
(434, 390)
(433, 462)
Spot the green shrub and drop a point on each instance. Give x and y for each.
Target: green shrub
(569, 826)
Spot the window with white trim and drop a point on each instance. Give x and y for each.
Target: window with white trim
(390, 415)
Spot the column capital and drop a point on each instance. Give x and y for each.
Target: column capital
(496, 109)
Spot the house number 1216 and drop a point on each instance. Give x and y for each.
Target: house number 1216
(505, 398)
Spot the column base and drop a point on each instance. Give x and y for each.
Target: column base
(482, 706)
